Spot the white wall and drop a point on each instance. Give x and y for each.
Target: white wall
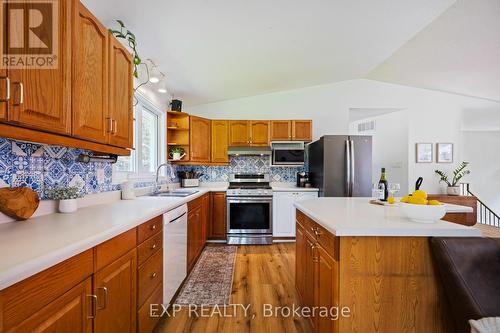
(433, 116)
(482, 150)
(390, 147)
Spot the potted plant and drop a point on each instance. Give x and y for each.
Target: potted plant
(453, 186)
(67, 198)
(176, 153)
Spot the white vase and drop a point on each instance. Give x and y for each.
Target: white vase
(68, 206)
(453, 190)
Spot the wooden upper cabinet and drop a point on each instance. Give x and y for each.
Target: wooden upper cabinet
(115, 287)
(120, 95)
(220, 141)
(281, 130)
(259, 133)
(70, 312)
(239, 133)
(41, 98)
(199, 139)
(90, 76)
(3, 87)
(302, 130)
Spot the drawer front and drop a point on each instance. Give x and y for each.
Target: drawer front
(145, 322)
(149, 247)
(23, 299)
(328, 241)
(114, 248)
(150, 228)
(195, 203)
(150, 275)
(300, 217)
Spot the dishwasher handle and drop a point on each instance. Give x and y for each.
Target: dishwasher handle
(178, 217)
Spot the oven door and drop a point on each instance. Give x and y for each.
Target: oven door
(249, 215)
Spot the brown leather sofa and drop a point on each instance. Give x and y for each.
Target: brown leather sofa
(470, 272)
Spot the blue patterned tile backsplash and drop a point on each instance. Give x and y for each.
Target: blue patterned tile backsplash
(43, 167)
(245, 164)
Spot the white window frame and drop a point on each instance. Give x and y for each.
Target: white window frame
(138, 173)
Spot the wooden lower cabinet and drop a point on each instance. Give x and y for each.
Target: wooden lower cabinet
(115, 288)
(70, 312)
(198, 216)
(99, 290)
(217, 227)
(382, 284)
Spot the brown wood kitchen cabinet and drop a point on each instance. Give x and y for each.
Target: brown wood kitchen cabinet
(120, 108)
(4, 87)
(199, 139)
(90, 83)
(291, 130)
(197, 228)
(239, 133)
(217, 228)
(259, 133)
(219, 142)
(41, 97)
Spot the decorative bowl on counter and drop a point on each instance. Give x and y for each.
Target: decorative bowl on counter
(423, 213)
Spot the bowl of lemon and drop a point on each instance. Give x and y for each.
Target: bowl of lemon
(417, 208)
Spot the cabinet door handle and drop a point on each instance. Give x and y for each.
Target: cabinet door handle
(7, 90)
(21, 93)
(317, 232)
(153, 227)
(110, 125)
(93, 301)
(153, 275)
(153, 247)
(105, 294)
(115, 126)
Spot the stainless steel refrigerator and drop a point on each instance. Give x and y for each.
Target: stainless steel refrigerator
(341, 165)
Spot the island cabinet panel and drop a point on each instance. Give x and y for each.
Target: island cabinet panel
(239, 133)
(217, 229)
(259, 133)
(4, 87)
(90, 71)
(41, 97)
(70, 312)
(199, 139)
(389, 284)
(115, 288)
(281, 130)
(120, 97)
(220, 141)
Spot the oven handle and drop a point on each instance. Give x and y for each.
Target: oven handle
(249, 200)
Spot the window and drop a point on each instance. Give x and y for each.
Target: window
(148, 142)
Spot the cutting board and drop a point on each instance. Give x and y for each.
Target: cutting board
(19, 203)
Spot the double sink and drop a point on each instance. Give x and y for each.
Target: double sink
(174, 193)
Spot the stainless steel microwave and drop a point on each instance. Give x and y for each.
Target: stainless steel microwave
(287, 153)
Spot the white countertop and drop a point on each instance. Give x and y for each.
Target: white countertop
(291, 187)
(29, 247)
(357, 217)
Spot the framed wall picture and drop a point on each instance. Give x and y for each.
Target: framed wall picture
(444, 152)
(424, 153)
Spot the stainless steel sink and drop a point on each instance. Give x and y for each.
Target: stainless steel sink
(178, 193)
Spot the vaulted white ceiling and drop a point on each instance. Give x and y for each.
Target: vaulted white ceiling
(223, 49)
(459, 53)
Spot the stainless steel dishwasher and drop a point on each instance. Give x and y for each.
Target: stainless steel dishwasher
(174, 251)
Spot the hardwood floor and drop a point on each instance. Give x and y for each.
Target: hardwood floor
(263, 275)
(488, 230)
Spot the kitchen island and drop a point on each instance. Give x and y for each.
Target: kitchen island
(374, 262)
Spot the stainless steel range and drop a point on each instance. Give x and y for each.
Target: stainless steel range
(249, 209)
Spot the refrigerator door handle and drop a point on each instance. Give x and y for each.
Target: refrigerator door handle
(348, 167)
(353, 164)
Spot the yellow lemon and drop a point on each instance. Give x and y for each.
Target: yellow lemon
(420, 194)
(434, 203)
(418, 201)
(391, 200)
(405, 199)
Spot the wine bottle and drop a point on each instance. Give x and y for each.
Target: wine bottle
(383, 186)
